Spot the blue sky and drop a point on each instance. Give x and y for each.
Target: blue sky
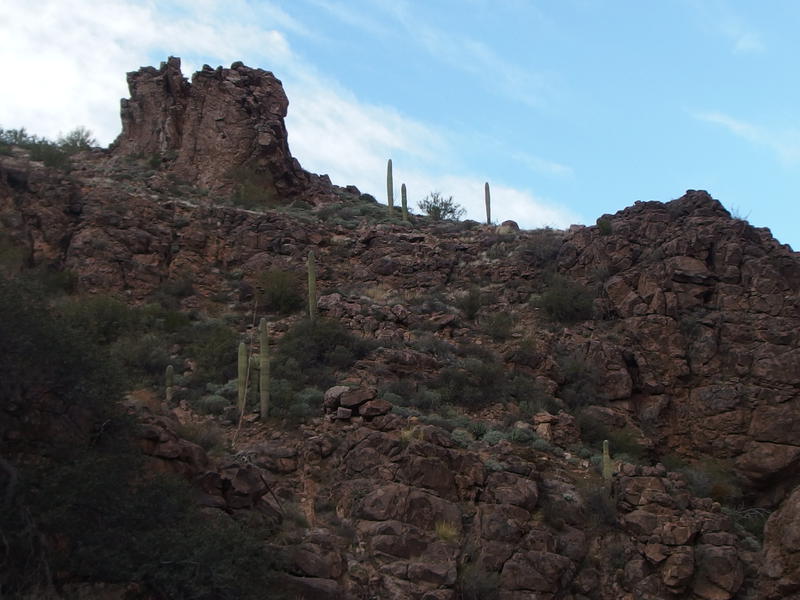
(570, 109)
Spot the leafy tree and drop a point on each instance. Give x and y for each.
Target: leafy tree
(77, 140)
(439, 208)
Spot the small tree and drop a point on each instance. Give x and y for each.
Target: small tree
(76, 140)
(439, 208)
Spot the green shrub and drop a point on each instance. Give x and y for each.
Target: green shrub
(44, 353)
(540, 247)
(213, 345)
(604, 226)
(714, 478)
(579, 387)
(566, 301)
(462, 437)
(279, 291)
(211, 404)
(103, 318)
(494, 436)
(469, 303)
(498, 325)
(144, 357)
(308, 353)
(439, 208)
(255, 189)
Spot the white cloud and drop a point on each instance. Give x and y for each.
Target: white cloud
(69, 58)
(744, 41)
(784, 143)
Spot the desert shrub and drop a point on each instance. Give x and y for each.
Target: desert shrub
(103, 318)
(45, 353)
(494, 436)
(604, 226)
(279, 291)
(462, 437)
(77, 140)
(713, 478)
(601, 510)
(426, 399)
(626, 442)
(566, 301)
(213, 345)
(439, 208)
(118, 526)
(750, 520)
(308, 353)
(521, 435)
(446, 531)
(474, 583)
(206, 435)
(469, 302)
(295, 406)
(144, 357)
(593, 432)
(211, 404)
(579, 388)
(540, 248)
(472, 382)
(498, 325)
(254, 189)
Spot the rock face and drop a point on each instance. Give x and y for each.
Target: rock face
(223, 127)
(710, 310)
(781, 568)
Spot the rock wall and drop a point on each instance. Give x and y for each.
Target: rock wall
(708, 311)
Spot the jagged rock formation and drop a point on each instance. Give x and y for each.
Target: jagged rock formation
(223, 128)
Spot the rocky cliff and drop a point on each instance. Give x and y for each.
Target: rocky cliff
(688, 356)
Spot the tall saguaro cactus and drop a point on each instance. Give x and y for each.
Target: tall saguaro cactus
(312, 286)
(170, 381)
(389, 187)
(488, 199)
(263, 370)
(241, 382)
(607, 468)
(404, 202)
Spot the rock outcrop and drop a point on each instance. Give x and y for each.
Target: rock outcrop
(224, 128)
(709, 310)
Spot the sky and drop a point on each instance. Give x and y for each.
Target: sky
(570, 109)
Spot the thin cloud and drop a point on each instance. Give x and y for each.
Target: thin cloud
(785, 143)
(717, 18)
(542, 165)
(465, 54)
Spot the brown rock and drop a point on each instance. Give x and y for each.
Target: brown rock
(354, 398)
(224, 120)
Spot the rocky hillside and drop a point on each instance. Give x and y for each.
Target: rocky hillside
(437, 433)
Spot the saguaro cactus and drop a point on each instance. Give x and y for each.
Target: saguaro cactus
(607, 467)
(312, 286)
(488, 199)
(263, 369)
(169, 377)
(241, 382)
(404, 201)
(389, 186)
